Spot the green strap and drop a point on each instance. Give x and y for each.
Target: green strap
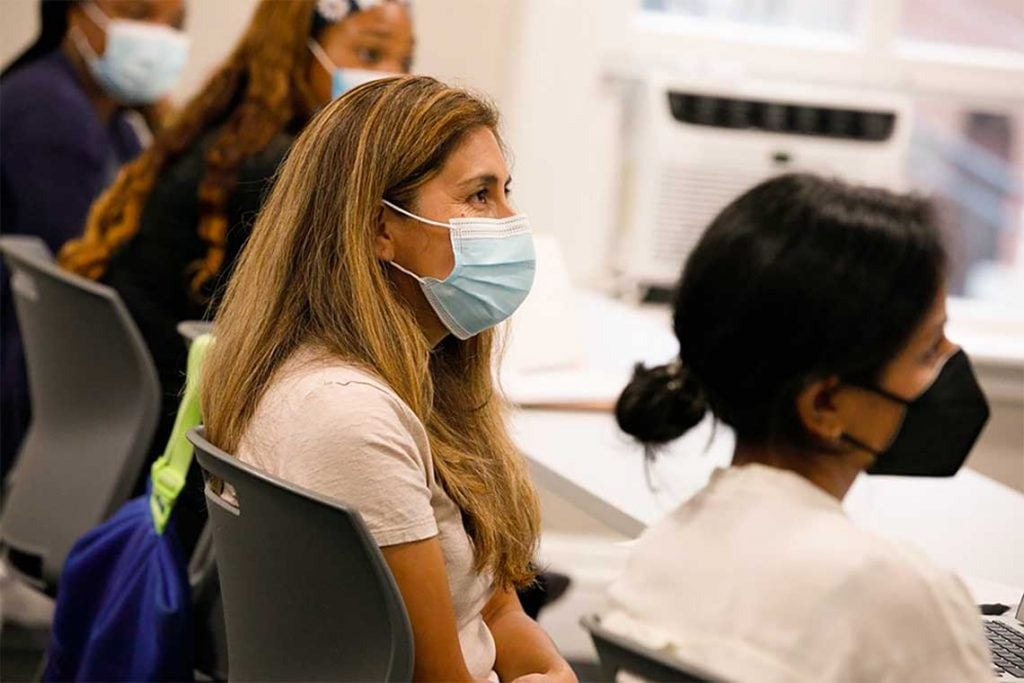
(170, 469)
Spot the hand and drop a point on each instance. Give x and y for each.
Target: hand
(560, 675)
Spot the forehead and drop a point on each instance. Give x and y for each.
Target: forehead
(932, 322)
(149, 8)
(478, 153)
(387, 21)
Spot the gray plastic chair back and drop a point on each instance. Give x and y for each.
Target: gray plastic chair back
(210, 645)
(622, 654)
(307, 595)
(95, 403)
(210, 649)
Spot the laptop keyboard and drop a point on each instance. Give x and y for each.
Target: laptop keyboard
(1007, 646)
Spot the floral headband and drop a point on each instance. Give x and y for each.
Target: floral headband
(334, 11)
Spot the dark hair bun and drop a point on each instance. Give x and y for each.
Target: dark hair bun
(660, 404)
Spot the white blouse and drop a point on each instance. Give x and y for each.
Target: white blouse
(762, 577)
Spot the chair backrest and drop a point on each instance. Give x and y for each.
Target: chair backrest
(307, 594)
(211, 641)
(95, 404)
(623, 654)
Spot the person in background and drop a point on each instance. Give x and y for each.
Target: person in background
(65, 123)
(168, 231)
(354, 358)
(810, 320)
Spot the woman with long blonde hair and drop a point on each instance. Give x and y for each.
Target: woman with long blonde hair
(167, 232)
(354, 358)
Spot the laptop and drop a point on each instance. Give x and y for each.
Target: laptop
(1006, 642)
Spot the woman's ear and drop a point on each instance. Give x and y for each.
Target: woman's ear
(384, 240)
(816, 408)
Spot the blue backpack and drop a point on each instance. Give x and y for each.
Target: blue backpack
(123, 603)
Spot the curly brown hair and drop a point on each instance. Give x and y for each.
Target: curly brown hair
(262, 87)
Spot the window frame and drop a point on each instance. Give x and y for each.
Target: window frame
(874, 55)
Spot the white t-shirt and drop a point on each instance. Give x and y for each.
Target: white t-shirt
(762, 577)
(339, 431)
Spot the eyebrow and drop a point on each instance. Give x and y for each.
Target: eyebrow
(370, 32)
(485, 179)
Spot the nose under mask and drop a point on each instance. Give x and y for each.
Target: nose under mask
(939, 427)
(142, 61)
(344, 79)
(494, 269)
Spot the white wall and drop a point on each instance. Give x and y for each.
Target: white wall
(538, 59)
(564, 125)
(462, 41)
(18, 26)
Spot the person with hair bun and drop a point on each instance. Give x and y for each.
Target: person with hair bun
(810, 320)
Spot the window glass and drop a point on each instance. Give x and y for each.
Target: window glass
(837, 16)
(970, 159)
(979, 23)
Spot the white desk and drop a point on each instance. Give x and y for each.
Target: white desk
(968, 523)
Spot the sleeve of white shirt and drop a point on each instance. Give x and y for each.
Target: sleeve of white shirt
(361, 446)
(916, 622)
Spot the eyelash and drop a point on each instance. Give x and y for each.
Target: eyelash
(485, 192)
(369, 55)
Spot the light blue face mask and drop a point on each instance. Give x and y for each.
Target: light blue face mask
(142, 61)
(343, 79)
(493, 273)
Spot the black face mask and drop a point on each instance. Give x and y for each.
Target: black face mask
(939, 427)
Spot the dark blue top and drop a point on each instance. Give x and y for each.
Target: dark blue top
(56, 156)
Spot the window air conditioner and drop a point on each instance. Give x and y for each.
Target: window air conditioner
(692, 147)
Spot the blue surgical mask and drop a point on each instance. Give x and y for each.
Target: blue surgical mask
(142, 60)
(343, 79)
(493, 273)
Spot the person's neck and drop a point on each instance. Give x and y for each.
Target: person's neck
(433, 329)
(102, 103)
(833, 473)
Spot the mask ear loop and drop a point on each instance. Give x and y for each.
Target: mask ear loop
(408, 272)
(96, 15)
(321, 56)
(82, 44)
(99, 19)
(413, 216)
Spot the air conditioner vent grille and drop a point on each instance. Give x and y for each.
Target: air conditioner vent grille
(687, 200)
(782, 117)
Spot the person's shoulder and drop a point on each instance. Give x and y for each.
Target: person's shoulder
(322, 418)
(915, 615)
(264, 164)
(342, 398)
(896, 588)
(44, 93)
(899, 580)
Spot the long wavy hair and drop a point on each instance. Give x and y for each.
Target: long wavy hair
(309, 277)
(261, 88)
